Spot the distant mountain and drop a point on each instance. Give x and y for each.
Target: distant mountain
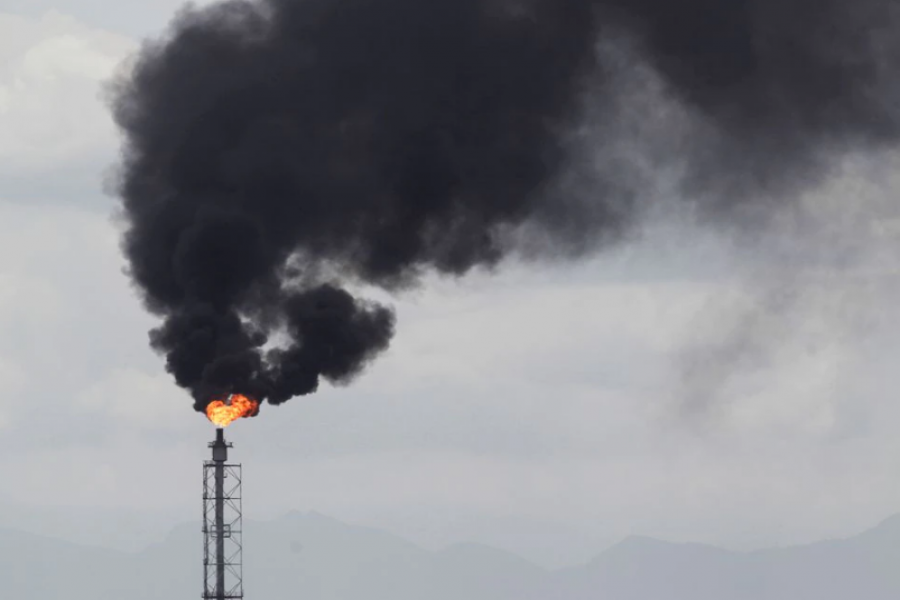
(864, 567)
(313, 557)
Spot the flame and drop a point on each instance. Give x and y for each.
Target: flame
(237, 406)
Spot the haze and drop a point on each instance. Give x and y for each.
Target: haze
(692, 406)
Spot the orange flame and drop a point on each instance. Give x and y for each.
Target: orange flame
(238, 406)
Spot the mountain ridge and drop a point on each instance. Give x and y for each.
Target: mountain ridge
(311, 556)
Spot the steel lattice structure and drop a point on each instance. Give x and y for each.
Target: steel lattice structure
(222, 525)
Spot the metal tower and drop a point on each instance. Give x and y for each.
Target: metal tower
(222, 543)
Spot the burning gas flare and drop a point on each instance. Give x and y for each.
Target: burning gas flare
(237, 406)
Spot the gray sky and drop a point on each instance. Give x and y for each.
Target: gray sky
(680, 386)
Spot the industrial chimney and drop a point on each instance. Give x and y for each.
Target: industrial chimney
(222, 543)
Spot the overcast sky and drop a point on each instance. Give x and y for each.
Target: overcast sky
(680, 386)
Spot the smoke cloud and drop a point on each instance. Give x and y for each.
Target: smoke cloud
(280, 152)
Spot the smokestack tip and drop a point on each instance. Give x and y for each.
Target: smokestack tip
(219, 446)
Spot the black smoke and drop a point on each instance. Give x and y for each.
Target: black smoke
(277, 152)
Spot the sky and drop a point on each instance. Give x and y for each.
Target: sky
(685, 384)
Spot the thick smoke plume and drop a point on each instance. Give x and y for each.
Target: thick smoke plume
(278, 151)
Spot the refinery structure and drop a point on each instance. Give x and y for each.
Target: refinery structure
(222, 524)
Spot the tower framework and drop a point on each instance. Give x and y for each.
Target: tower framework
(222, 525)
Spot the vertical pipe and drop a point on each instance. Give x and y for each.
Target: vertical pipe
(220, 531)
(219, 457)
